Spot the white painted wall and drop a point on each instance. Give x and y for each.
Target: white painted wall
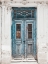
(0, 34)
(6, 35)
(42, 33)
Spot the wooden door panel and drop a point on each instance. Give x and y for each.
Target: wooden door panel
(29, 38)
(17, 39)
(24, 39)
(29, 48)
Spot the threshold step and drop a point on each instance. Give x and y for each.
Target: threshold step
(14, 61)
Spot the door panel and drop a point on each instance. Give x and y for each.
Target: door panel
(29, 48)
(29, 38)
(23, 39)
(17, 40)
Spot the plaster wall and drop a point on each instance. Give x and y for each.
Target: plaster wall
(0, 34)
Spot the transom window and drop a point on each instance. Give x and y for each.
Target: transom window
(23, 12)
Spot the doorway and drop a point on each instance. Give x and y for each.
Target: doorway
(23, 32)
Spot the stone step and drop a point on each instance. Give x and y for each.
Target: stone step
(24, 62)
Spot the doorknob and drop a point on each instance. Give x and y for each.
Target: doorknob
(24, 41)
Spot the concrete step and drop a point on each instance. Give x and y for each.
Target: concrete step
(26, 61)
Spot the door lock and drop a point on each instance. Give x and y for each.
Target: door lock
(24, 41)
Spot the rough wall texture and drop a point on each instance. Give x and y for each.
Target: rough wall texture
(6, 36)
(42, 33)
(0, 34)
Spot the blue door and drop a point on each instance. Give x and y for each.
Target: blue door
(30, 38)
(18, 38)
(23, 33)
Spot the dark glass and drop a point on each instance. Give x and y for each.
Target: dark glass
(23, 14)
(29, 27)
(29, 34)
(29, 30)
(18, 30)
(33, 13)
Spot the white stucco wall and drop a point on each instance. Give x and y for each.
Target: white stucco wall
(42, 32)
(0, 34)
(6, 35)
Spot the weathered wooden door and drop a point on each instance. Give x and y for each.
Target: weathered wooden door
(30, 38)
(23, 42)
(18, 38)
(23, 35)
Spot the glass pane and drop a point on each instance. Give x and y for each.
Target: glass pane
(18, 27)
(29, 30)
(29, 34)
(29, 27)
(24, 14)
(28, 15)
(18, 30)
(14, 14)
(32, 13)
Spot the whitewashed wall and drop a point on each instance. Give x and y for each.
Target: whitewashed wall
(42, 32)
(0, 33)
(6, 35)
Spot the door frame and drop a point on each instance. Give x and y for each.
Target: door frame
(36, 30)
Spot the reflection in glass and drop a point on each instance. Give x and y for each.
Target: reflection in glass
(18, 30)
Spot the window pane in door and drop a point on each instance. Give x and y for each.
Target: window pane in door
(29, 30)
(29, 27)
(18, 30)
(29, 34)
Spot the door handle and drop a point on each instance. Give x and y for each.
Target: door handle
(24, 41)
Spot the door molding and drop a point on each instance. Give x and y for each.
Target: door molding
(26, 20)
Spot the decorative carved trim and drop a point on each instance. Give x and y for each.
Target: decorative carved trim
(9, 8)
(24, 2)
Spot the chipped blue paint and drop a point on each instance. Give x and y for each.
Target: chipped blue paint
(15, 42)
